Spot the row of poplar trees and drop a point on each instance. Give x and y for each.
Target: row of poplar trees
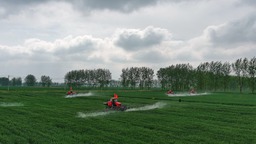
(137, 77)
(92, 78)
(207, 76)
(210, 76)
(131, 77)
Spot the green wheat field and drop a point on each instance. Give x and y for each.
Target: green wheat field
(45, 115)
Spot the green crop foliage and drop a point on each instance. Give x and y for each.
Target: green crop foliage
(44, 115)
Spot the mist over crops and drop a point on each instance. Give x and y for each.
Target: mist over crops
(10, 104)
(148, 107)
(79, 95)
(93, 114)
(107, 112)
(187, 94)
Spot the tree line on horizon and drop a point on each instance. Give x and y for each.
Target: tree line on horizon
(30, 80)
(210, 76)
(207, 76)
(91, 78)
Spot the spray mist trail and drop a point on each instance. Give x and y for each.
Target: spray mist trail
(95, 114)
(13, 104)
(79, 95)
(186, 94)
(148, 107)
(144, 108)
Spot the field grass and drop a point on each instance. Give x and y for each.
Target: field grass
(41, 115)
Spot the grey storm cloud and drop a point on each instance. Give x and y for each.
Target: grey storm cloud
(118, 5)
(20, 2)
(138, 39)
(126, 6)
(249, 2)
(13, 6)
(240, 31)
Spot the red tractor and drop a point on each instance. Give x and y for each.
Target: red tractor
(70, 92)
(170, 92)
(113, 104)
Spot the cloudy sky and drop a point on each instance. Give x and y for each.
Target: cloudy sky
(52, 37)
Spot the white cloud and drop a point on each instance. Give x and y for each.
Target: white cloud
(235, 32)
(227, 41)
(153, 56)
(135, 39)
